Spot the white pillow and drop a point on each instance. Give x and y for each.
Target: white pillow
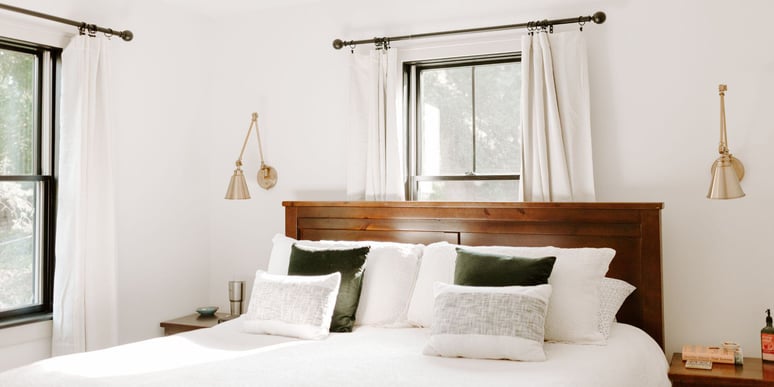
(489, 322)
(279, 260)
(612, 294)
(573, 315)
(437, 266)
(295, 306)
(388, 281)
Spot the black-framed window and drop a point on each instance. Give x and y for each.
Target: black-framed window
(28, 88)
(464, 140)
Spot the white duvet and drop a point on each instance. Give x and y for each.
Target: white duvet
(225, 356)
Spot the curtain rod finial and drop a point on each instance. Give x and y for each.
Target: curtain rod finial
(599, 17)
(338, 44)
(127, 35)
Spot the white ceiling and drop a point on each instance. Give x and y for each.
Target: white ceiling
(209, 7)
(234, 6)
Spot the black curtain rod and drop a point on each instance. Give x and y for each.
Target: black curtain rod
(91, 29)
(597, 17)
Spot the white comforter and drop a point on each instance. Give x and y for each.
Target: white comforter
(224, 356)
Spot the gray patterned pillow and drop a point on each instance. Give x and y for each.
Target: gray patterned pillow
(612, 294)
(295, 306)
(489, 322)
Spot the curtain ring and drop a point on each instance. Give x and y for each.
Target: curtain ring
(82, 29)
(551, 29)
(382, 43)
(92, 30)
(109, 34)
(581, 25)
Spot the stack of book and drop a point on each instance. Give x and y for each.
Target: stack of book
(713, 354)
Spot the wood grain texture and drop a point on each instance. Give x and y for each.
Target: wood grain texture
(632, 229)
(753, 373)
(190, 322)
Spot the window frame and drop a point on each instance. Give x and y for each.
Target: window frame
(45, 130)
(411, 91)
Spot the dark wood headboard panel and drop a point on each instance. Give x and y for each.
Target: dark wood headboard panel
(632, 229)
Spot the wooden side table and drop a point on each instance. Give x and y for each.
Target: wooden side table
(753, 373)
(191, 322)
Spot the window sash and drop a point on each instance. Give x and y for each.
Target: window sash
(42, 249)
(472, 177)
(43, 168)
(411, 72)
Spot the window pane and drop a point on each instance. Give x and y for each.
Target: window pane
(446, 121)
(498, 99)
(465, 191)
(17, 96)
(19, 268)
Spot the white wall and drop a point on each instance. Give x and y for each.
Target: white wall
(187, 85)
(162, 109)
(655, 67)
(24, 344)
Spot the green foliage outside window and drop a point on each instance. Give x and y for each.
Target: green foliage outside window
(468, 125)
(17, 198)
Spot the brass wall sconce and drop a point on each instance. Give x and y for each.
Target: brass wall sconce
(727, 170)
(267, 176)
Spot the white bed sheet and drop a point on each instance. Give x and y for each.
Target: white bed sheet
(225, 356)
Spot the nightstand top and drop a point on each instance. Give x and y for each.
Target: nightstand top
(194, 320)
(753, 373)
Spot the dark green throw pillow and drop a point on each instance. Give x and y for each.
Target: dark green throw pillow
(350, 263)
(484, 269)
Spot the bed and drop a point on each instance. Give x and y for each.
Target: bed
(378, 355)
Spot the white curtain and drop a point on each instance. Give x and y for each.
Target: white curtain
(555, 119)
(375, 154)
(85, 312)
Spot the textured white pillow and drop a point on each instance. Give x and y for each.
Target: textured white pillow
(573, 314)
(295, 306)
(489, 322)
(612, 294)
(388, 281)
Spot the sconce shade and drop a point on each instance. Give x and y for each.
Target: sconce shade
(725, 181)
(237, 187)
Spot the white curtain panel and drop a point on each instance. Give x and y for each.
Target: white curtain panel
(375, 153)
(85, 312)
(555, 119)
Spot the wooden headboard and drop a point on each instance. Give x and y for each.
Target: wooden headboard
(632, 229)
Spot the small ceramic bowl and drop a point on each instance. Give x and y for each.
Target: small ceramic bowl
(207, 311)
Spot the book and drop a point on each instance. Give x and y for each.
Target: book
(713, 354)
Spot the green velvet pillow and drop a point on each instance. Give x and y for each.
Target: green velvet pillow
(350, 263)
(479, 269)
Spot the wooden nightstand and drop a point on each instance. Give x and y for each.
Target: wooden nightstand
(191, 322)
(753, 373)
